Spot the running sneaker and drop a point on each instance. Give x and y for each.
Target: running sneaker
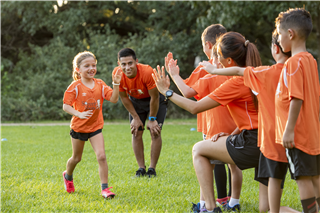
(68, 185)
(151, 172)
(235, 208)
(195, 208)
(222, 201)
(106, 193)
(215, 210)
(140, 172)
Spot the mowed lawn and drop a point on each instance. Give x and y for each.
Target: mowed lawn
(34, 157)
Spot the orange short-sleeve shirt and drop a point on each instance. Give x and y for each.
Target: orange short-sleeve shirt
(82, 99)
(237, 97)
(299, 79)
(138, 86)
(216, 119)
(191, 80)
(264, 81)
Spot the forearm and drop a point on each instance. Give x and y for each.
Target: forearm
(70, 110)
(294, 110)
(128, 105)
(154, 106)
(115, 94)
(183, 88)
(231, 71)
(236, 131)
(194, 107)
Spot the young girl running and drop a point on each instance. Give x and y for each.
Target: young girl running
(239, 150)
(83, 99)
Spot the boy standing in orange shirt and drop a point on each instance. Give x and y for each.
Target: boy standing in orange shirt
(297, 106)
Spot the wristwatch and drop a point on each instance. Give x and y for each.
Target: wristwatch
(152, 118)
(169, 93)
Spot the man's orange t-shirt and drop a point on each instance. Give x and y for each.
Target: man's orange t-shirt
(299, 79)
(237, 97)
(191, 80)
(138, 86)
(264, 81)
(82, 99)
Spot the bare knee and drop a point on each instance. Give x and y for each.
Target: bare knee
(76, 159)
(101, 157)
(196, 149)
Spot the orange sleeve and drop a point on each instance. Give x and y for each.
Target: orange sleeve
(228, 91)
(106, 91)
(195, 75)
(70, 94)
(201, 87)
(147, 77)
(254, 77)
(121, 89)
(294, 79)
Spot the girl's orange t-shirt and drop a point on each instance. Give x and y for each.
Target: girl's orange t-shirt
(264, 80)
(237, 97)
(83, 99)
(216, 119)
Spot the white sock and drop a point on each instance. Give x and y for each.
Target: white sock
(233, 202)
(202, 203)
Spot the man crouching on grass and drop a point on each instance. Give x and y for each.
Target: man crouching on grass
(141, 98)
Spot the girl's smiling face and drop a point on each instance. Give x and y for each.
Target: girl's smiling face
(88, 68)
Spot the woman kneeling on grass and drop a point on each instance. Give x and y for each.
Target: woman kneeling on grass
(239, 150)
(83, 99)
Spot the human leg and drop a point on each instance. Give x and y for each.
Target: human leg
(203, 152)
(138, 149)
(156, 144)
(77, 150)
(274, 194)
(220, 176)
(263, 198)
(97, 143)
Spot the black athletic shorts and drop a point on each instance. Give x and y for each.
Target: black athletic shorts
(243, 149)
(142, 107)
(302, 164)
(270, 169)
(83, 136)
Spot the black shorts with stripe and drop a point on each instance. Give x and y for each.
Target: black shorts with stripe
(302, 164)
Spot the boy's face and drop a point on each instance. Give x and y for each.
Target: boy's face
(128, 66)
(284, 39)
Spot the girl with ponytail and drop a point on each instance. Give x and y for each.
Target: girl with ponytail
(240, 149)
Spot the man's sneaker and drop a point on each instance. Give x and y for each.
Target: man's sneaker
(195, 208)
(68, 185)
(106, 193)
(140, 172)
(151, 172)
(235, 208)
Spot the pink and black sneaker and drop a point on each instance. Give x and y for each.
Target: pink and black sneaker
(68, 185)
(106, 193)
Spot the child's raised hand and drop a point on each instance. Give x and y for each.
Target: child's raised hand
(162, 81)
(167, 60)
(117, 76)
(173, 68)
(85, 114)
(208, 67)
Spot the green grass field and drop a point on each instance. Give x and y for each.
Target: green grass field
(34, 157)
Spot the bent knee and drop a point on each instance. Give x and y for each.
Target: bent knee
(196, 149)
(76, 159)
(101, 157)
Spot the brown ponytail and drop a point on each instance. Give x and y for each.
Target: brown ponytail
(77, 61)
(242, 51)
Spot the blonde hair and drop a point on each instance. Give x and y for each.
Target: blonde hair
(77, 61)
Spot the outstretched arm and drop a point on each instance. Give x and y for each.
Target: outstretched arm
(212, 69)
(116, 82)
(193, 107)
(173, 71)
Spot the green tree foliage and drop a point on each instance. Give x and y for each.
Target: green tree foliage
(40, 39)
